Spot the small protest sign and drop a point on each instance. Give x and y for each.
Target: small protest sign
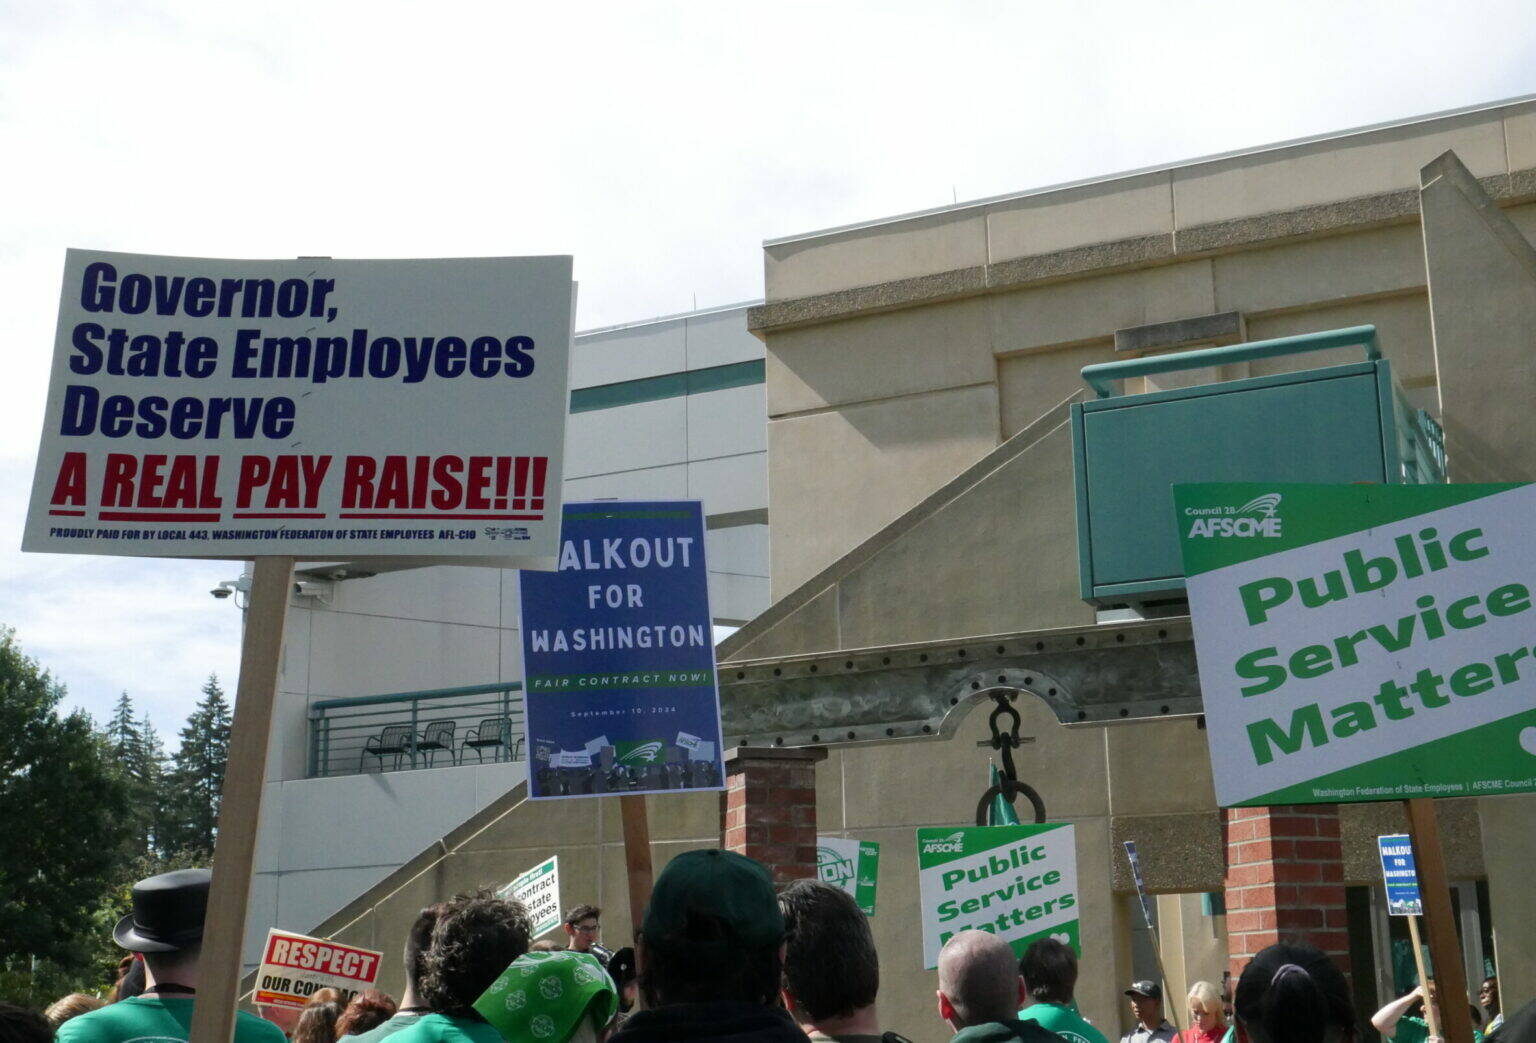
(619, 655)
(1017, 882)
(853, 865)
(217, 408)
(294, 967)
(1363, 642)
(1400, 875)
(1141, 886)
(539, 891)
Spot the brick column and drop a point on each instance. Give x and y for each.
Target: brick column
(770, 808)
(1285, 882)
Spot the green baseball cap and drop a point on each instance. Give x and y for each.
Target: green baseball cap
(721, 886)
(544, 995)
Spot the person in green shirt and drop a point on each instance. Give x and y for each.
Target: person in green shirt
(1050, 974)
(1394, 1022)
(418, 942)
(476, 938)
(166, 926)
(980, 988)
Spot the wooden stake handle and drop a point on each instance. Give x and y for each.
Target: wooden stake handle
(1440, 922)
(261, 650)
(1430, 1017)
(637, 857)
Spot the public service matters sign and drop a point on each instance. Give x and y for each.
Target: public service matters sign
(1364, 642)
(619, 681)
(1017, 882)
(324, 409)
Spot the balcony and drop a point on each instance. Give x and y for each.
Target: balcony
(437, 728)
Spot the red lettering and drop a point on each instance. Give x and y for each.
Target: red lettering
(479, 482)
(181, 485)
(394, 485)
(69, 487)
(357, 482)
(450, 491)
(117, 484)
(314, 476)
(208, 492)
(254, 471)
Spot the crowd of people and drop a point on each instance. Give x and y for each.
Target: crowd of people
(721, 955)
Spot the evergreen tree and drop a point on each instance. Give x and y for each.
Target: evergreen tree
(64, 804)
(197, 776)
(122, 729)
(146, 769)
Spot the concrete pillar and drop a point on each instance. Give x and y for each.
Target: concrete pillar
(1482, 299)
(770, 808)
(1285, 882)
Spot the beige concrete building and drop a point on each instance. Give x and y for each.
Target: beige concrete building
(919, 371)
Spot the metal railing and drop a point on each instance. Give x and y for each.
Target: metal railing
(477, 724)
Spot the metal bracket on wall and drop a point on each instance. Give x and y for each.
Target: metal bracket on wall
(1089, 675)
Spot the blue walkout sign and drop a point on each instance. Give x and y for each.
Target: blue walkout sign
(619, 656)
(1401, 876)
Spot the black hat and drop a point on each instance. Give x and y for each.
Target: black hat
(168, 912)
(1149, 989)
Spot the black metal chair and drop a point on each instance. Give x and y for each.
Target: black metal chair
(396, 739)
(494, 732)
(438, 736)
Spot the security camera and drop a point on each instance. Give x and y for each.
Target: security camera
(229, 587)
(312, 588)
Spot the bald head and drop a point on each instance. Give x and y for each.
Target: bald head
(979, 976)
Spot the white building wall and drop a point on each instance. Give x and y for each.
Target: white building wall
(323, 840)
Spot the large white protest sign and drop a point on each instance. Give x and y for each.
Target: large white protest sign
(294, 967)
(1017, 882)
(1362, 643)
(314, 408)
(539, 891)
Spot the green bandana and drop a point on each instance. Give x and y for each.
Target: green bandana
(543, 996)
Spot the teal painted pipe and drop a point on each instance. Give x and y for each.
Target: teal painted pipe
(430, 693)
(1101, 376)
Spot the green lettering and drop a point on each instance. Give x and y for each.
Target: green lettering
(1262, 595)
(1311, 661)
(1352, 718)
(948, 910)
(1506, 661)
(1472, 679)
(1269, 677)
(1461, 546)
(1509, 599)
(1306, 728)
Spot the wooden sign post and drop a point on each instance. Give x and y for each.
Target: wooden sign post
(234, 853)
(1431, 1018)
(1444, 950)
(637, 857)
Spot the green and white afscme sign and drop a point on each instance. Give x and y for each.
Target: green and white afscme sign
(1017, 882)
(1364, 642)
(853, 865)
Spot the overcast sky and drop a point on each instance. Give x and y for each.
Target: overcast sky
(658, 143)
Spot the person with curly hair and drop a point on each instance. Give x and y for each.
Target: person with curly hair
(368, 1010)
(477, 936)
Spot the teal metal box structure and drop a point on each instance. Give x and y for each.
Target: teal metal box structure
(1347, 423)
